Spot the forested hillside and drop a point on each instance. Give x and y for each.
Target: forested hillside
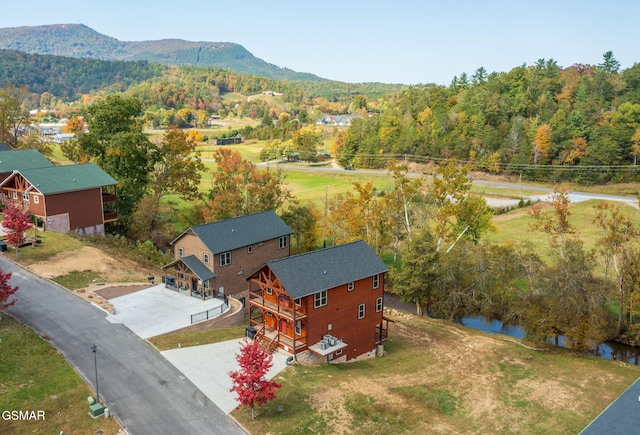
(80, 41)
(522, 121)
(67, 78)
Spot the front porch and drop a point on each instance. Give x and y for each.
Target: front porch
(192, 278)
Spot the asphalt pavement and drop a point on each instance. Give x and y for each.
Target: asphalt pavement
(139, 386)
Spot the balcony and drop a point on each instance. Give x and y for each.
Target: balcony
(286, 311)
(108, 198)
(110, 216)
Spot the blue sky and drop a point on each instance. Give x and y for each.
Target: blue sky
(399, 41)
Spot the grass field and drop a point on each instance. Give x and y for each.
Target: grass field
(33, 376)
(516, 226)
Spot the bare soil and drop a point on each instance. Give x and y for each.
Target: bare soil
(120, 276)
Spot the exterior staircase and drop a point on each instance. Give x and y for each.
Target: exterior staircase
(267, 344)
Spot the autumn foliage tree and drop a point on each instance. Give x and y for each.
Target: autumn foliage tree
(249, 381)
(6, 291)
(239, 188)
(16, 222)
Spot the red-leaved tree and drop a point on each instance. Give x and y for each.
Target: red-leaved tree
(6, 291)
(249, 382)
(16, 222)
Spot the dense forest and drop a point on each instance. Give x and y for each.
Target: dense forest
(524, 121)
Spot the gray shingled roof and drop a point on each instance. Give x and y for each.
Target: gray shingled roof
(195, 266)
(305, 274)
(17, 160)
(230, 234)
(58, 179)
(198, 268)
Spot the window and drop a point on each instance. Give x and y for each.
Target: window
(376, 281)
(298, 328)
(361, 311)
(269, 291)
(338, 352)
(181, 276)
(205, 258)
(249, 249)
(298, 302)
(350, 286)
(25, 196)
(320, 299)
(225, 258)
(379, 304)
(15, 195)
(180, 252)
(36, 199)
(283, 242)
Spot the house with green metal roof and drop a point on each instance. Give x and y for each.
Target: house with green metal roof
(17, 160)
(79, 198)
(213, 260)
(324, 305)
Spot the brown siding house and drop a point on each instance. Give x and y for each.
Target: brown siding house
(66, 198)
(327, 303)
(214, 259)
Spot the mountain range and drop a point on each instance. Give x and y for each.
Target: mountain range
(80, 41)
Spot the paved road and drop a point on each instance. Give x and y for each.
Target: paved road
(139, 386)
(527, 191)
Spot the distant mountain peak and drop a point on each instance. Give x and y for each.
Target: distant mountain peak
(81, 41)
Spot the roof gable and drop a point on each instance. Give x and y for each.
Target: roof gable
(305, 274)
(234, 233)
(59, 179)
(18, 160)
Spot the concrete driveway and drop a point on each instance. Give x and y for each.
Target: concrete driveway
(158, 310)
(208, 367)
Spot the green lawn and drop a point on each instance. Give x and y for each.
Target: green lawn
(34, 376)
(516, 225)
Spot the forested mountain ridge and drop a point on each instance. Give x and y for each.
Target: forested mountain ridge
(80, 41)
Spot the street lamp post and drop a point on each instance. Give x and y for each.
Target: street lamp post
(95, 363)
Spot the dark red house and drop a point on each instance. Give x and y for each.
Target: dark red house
(323, 305)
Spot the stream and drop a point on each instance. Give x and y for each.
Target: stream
(608, 350)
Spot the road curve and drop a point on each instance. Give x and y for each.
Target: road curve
(138, 385)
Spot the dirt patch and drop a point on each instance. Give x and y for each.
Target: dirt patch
(110, 269)
(93, 259)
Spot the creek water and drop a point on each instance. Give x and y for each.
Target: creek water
(609, 350)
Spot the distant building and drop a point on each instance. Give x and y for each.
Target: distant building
(228, 140)
(336, 120)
